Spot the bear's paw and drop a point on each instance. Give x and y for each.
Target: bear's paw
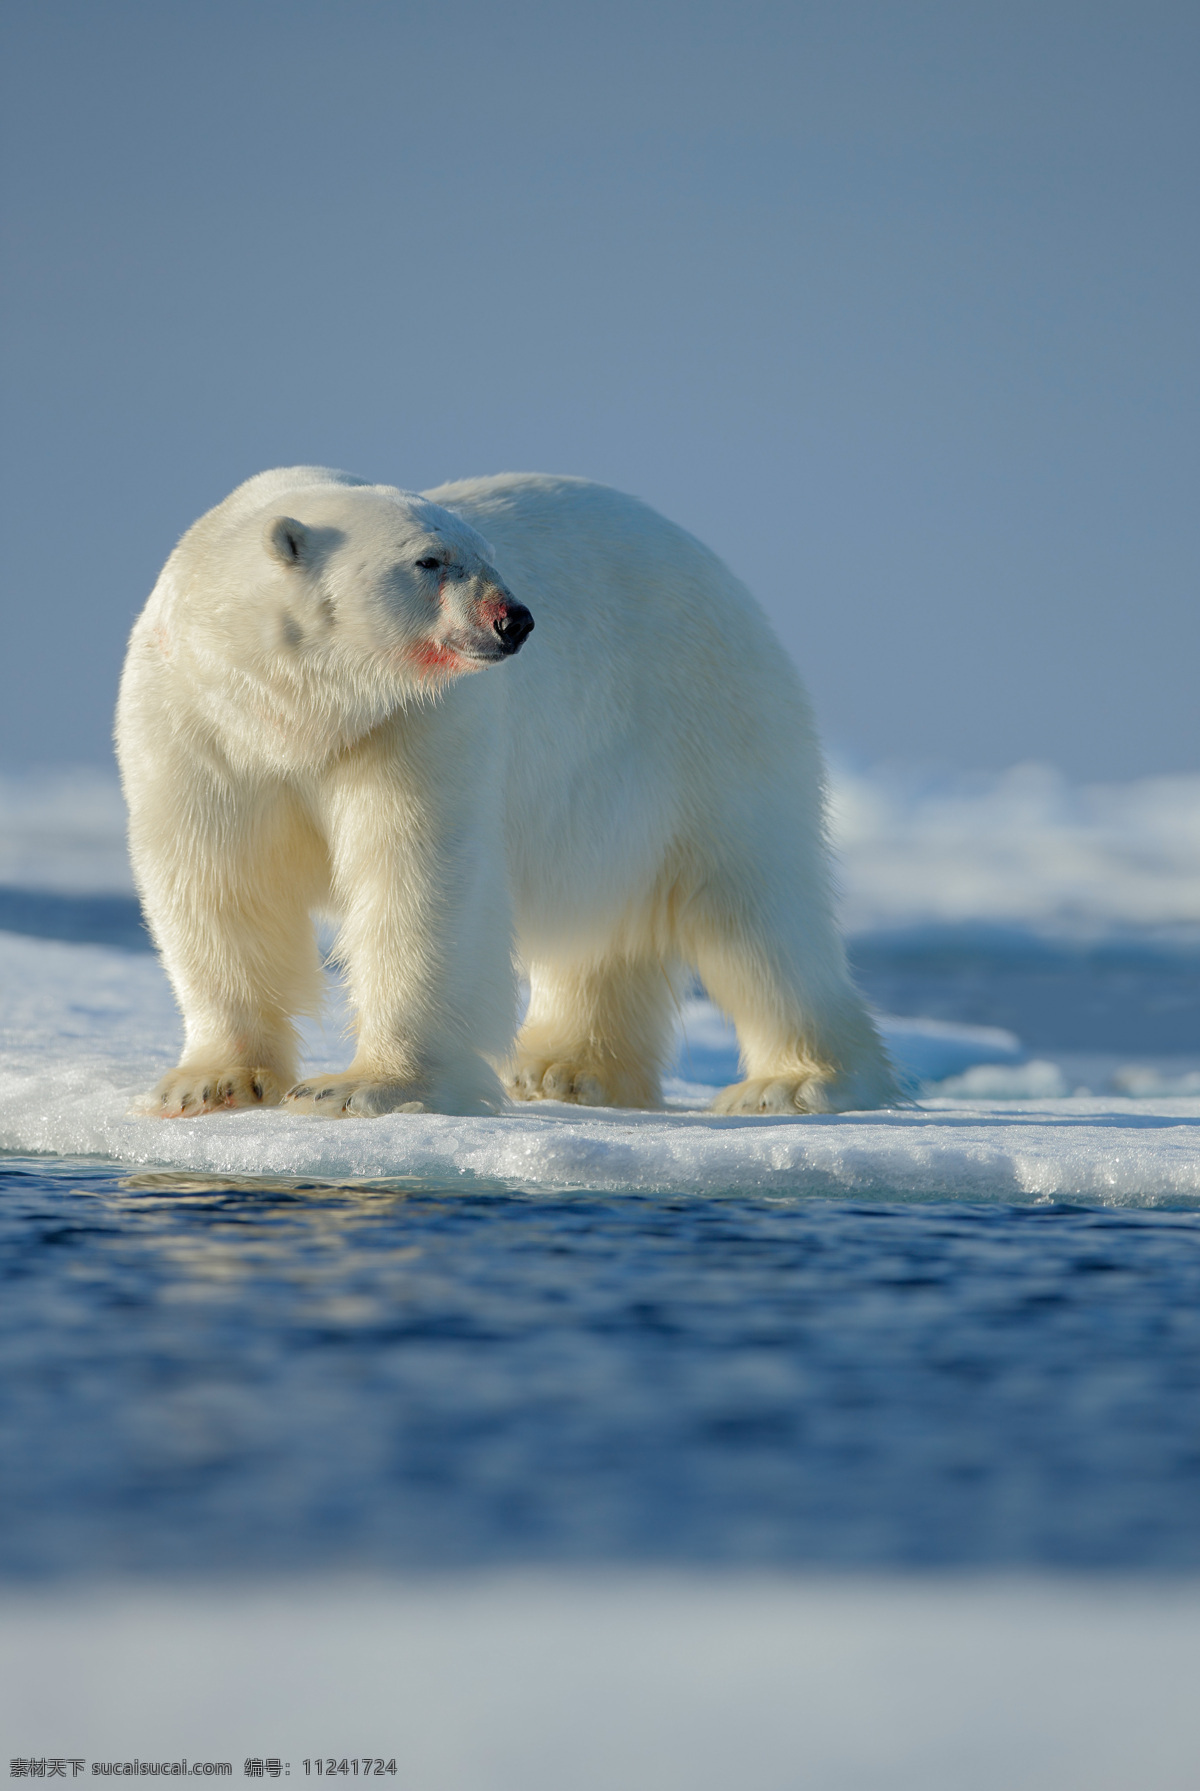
(580, 1083)
(186, 1093)
(333, 1097)
(777, 1094)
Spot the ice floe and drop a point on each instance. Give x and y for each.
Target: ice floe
(87, 1028)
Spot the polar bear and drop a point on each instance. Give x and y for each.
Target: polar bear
(332, 703)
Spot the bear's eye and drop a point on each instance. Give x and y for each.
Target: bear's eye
(429, 565)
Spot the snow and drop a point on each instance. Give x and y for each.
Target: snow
(1035, 1080)
(87, 1029)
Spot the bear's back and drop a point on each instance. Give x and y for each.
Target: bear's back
(653, 686)
(624, 594)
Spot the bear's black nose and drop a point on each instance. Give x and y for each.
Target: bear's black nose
(513, 627)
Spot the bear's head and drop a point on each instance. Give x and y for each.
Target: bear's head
(379, 584)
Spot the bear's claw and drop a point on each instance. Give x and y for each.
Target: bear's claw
(186, 1094)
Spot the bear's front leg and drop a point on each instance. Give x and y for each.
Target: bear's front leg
(227, 879)
(420, 880)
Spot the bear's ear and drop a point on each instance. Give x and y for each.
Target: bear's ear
(288, 540)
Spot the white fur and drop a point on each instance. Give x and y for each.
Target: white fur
(637, 794)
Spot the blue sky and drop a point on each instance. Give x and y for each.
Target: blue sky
(894, 305)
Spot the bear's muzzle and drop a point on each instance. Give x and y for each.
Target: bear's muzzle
(512, 625)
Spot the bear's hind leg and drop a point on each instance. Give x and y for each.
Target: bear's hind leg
(807, 1042)
(597, 1034)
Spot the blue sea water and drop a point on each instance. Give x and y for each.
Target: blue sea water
(278, 1375)
(205, 1375)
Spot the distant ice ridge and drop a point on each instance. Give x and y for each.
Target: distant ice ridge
(86, 1029)
(1023, 847)
(947, 882)
(64, 830)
